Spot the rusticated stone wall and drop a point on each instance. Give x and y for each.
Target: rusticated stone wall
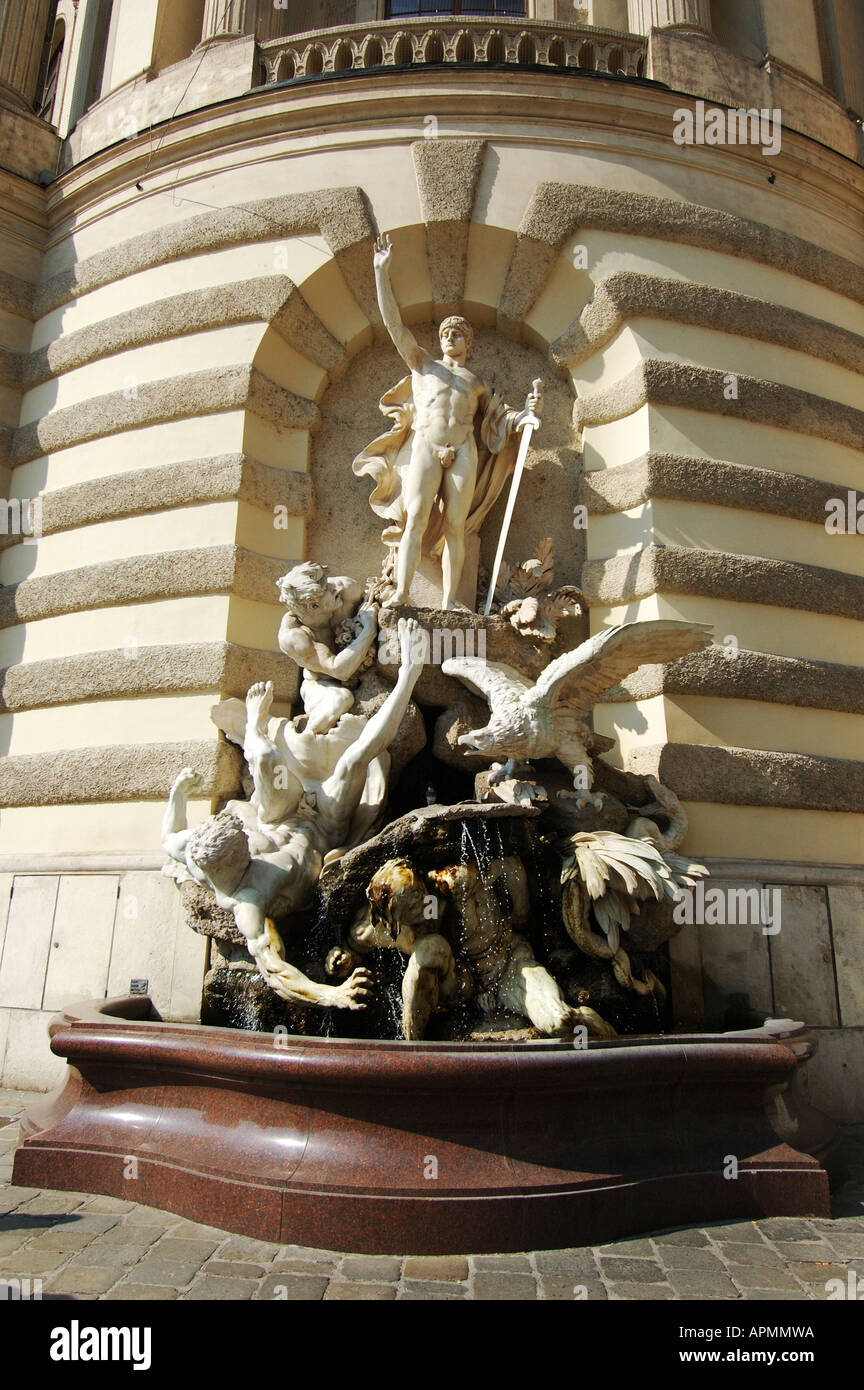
(184, 365)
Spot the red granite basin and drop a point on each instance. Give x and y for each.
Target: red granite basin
(421, 1148)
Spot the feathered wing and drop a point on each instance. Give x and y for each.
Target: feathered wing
(619, 872)
(499, 683)
(583, 676)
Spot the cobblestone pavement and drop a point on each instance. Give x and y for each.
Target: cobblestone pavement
(85, 1247)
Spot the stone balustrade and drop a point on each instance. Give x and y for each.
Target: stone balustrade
(451, 39)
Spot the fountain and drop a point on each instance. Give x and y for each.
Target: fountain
(436, 1018)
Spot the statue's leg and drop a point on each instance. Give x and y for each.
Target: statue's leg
(420, 483)
(527, 988)
(460, 480)
(430, 963)
(276, 787)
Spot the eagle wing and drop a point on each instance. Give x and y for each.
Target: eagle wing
(499, 683)
(584, 675)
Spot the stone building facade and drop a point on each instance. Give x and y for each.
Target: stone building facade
(190, 351)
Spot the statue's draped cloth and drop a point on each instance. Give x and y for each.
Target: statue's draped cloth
(387, 457)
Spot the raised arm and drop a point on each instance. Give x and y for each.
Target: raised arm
(344, 786)
(175, 833)
(296, 641)
(405, 343)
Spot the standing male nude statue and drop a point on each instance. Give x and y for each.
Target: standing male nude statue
(445, 400)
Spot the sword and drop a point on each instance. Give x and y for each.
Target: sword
(527, 429)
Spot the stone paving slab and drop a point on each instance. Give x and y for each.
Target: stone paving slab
(86, 1247)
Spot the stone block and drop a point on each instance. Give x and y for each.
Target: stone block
(371, 1267)
(366, 1293)
(451, 1267)
(6, 881)
(109, 1256)
(701, 1284)
(846, 906)
(232, 1269)
(560, 1290)
(84, 1281)
(690, 1257)
(631, 1271)
(743, 1254)
(175, 1273)
(152, 942)
(80, 950)
(759, 1277)
(27, 941)
(140, 1293)
(499, 1287)
(172, 1248)
(802, 958)
(216, 1290)
(644, 1292)
(685, 961)
(29, 1061)
(735, 961)
(833, 1080)
(293, 1288)
(4, 1034)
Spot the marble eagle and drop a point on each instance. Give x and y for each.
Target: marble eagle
(546, 719)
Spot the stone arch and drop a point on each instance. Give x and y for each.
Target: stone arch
(526, 54)
(313, 61)
(403, 52)
(586, 56)
(496, 50)
(343, 58)
(557, 55)
(286, 68)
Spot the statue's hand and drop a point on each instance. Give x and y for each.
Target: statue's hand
(533, 404)
(383, 253)
(355, 991)
(187, 780)
(412, 646)
(340, 962)
(367, 617)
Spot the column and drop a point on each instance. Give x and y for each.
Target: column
(23, 25)
(225, 19)
(645, 15)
